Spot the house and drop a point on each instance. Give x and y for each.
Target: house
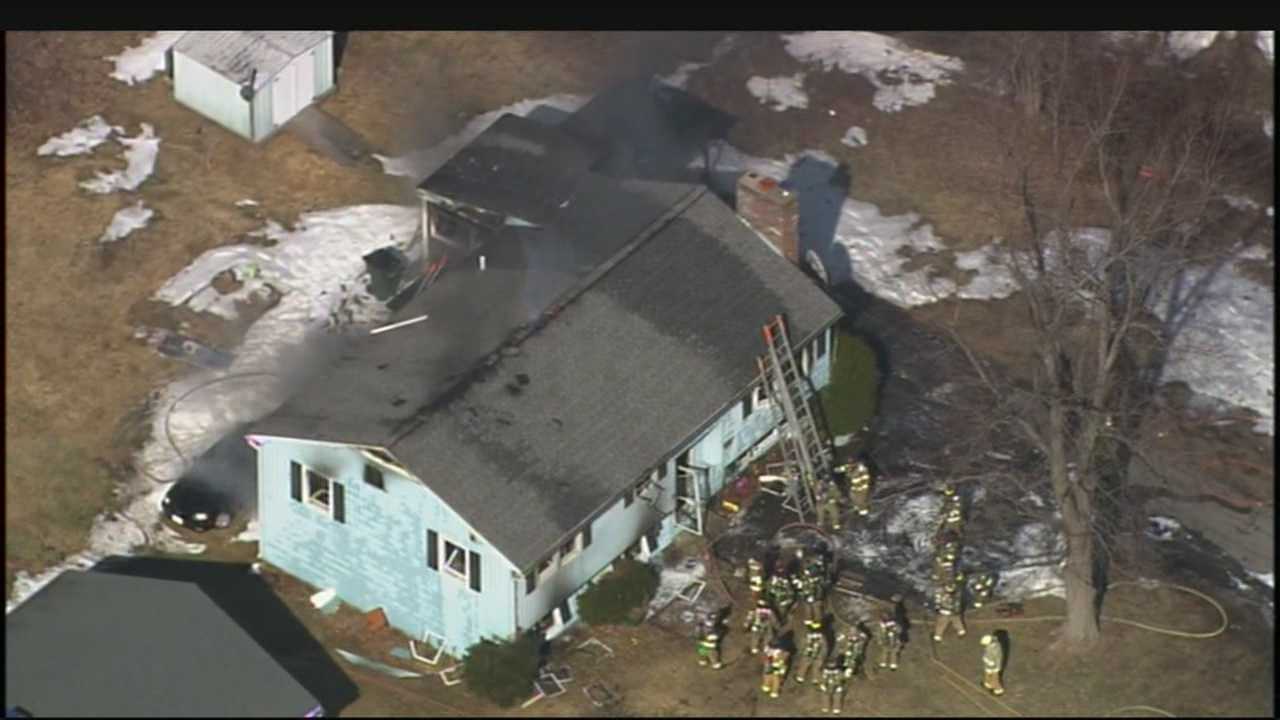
(252, 82)
(579, 394)
(99, 643)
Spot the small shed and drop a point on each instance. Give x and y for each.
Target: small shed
(252, 81)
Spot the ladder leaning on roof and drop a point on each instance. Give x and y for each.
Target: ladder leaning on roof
(807, 454)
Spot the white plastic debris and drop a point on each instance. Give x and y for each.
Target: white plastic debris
(137, 64)
(854, 137)
(247, 202)
(323, 598)
(80, 139)
(785, 92)
(125, 221)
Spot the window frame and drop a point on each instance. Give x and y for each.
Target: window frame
(820, 345)
(309, 492)
(575, 549)
(382, 476)
(446, 565)
(547, 568)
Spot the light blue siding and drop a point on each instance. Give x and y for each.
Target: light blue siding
(263, 124)
(210, 94)
(378, 557)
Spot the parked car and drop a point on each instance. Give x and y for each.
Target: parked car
(196, 506)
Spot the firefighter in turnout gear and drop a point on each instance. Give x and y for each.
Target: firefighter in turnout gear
(982, 588)
(829, 505)
(944, 568)
(890, 641)
(779, 590)
(709, 644)
(992, 664)
(948, 600)
(775, 669)
(755, 579)
(814, 653)
(834, 679)
(851, 644)
(860, 488)
(813, 596)
(763, 625)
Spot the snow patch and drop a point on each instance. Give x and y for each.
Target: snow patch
(903, 76)
(1269, 125)
(672, 580)
(1163, 528)
(137, 64)
(784, 91)
(247, 202)
(140, 153)
(680, 77)
(1226, 347)
(992, 278)
(917, 519)
(80, 139)
(125, 221)
(1184, 44)
(252, 533)
(420, 163)
(1265, 40)
(1039, 548)
(1242, 203)
(855, 137)
(1268, 579)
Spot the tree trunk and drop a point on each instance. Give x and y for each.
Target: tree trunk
(1081, 627)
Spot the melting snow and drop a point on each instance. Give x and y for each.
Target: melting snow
(1226, 348)
(1266, 42)
(140, 152)
(420, 163)
(136, 64)
(125, 221)
(80, 139)
(1184, 44)
(1163, 528)
(854, 137)
(680, 77)
(1269, 125)
(672, 580)
(252, 532)
(1242, 203)
(246, 203)
(903, 76)
(1268, 579)
(784, 91)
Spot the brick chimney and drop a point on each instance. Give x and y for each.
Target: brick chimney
(772, 211)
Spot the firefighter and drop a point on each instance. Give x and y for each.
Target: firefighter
(834, 678)
(944, 569)
(709, 644)
(992, 664)
(946, 541)
(890, 641)
(851, 644)
(775, 669)
(814, 653)
(763, 625)
(829, 505)
(779, 590)
(755, 579)
(860, 489)
(982, 588)
(813, 596)
(948, 602)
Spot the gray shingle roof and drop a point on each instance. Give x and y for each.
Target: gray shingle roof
(235, 54)
(98, 644)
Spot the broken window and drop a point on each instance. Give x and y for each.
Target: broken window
(474, 571)
(455, 560)
(319, 490)
(586, 536)
(433, 550)
(545, 568)
(530, 582)
(821, 344)
(295, 480)
(748, 404)
(628, 497)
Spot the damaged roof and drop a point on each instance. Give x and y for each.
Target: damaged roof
(235, 54)
(666, 292)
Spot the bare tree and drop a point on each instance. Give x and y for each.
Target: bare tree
(1144, 153)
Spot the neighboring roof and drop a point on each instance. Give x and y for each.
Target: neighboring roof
(100, 644)
(235, 54)
(518, 167)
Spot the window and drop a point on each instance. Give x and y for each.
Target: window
(628, 497)
(571, 547)
(319, 490)
(748, 403)
(295, 481)
(530, 582)
(547, 566)
(473, 571)
(586, 536)
(433, 550)
(455, 560)
(761, 397)
(821, 344)
(373, 476)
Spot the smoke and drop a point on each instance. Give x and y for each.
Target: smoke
(229, 468)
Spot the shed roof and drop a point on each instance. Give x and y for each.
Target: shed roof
(235, 54)
(100, 644)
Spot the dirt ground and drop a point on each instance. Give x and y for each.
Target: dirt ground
(73, 375)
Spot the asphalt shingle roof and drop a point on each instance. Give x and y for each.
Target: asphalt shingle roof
(235, 54)
(98, 644)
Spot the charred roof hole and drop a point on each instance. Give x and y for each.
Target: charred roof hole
(397, 402)
(522, 378)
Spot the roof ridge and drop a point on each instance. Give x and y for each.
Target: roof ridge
(523, 332)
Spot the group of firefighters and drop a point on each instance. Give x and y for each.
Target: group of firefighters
(798, 587)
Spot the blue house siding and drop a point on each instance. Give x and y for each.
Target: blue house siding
(378, 556)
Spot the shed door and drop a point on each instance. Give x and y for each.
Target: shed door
(306, 80)
(284, 94)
